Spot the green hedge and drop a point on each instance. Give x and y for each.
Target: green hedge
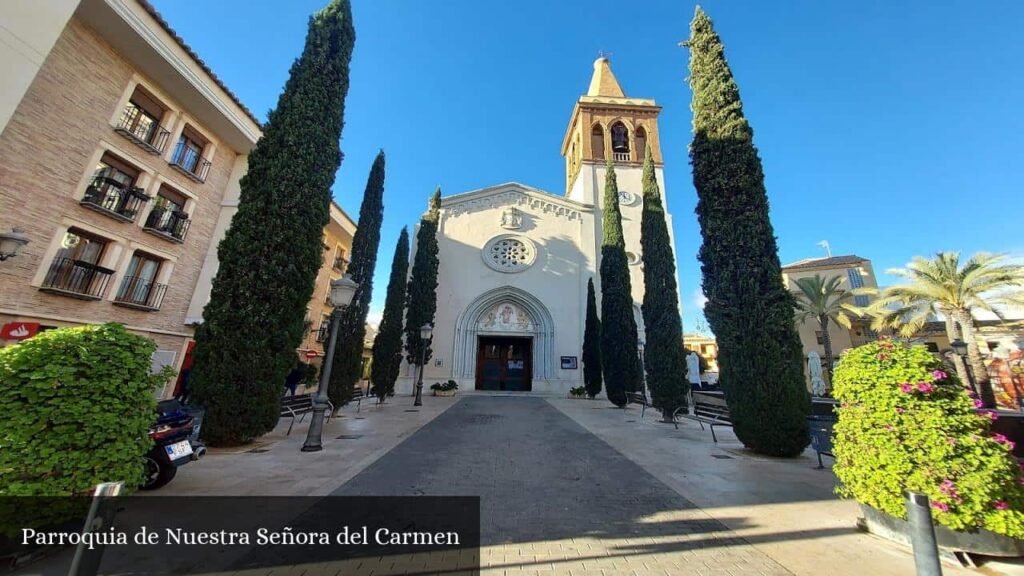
(907, 424)
(75, 408)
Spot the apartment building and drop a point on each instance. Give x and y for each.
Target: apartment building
(855, 272)
(118, 146)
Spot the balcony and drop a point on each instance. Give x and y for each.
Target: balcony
(140, 293)
(168, 223)
(110, 197)
(323, 332)
(340, 263)
(138, 127)
(77, 279)
(187, 161)
(621, 156)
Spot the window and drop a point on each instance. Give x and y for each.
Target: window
(140, 122)
(932, 347)
(641, 141)
(76, 269)
(139, 287)
(112, 189)
(820, 336)
(168, 217)
(856, 281)
(620, 141)
(188, 155)
(597, 141)
(340, 262)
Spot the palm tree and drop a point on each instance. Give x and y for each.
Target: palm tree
(823, 300)
(942, 285)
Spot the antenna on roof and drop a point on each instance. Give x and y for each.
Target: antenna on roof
(603, 54)
(828, 248)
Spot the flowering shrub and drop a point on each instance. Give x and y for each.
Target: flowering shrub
(906, 424)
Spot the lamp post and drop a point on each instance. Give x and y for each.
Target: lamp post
(643, 370)
(11, 242)
(425, 332)
(342, 291)
(960, 349)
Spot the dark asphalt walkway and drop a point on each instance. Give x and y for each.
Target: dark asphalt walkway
(552, 489)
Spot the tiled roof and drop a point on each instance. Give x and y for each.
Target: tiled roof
(167, 27)
(834, 261)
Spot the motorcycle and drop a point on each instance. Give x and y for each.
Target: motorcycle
(175, 443)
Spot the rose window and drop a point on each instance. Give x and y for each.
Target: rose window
(509, 253)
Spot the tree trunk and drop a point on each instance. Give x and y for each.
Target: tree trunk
(953, 333)
(966, 322)
(827, 342)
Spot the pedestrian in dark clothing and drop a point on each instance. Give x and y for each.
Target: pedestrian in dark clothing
(291, 382)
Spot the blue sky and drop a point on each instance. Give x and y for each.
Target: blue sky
(891, 129)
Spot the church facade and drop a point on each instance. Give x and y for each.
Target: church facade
(515, 260)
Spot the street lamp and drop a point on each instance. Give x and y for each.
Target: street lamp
(342, 291)
(11, 242)
(643, 370)
(960, 349)
(425, 332)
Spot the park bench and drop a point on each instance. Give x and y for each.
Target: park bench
(300, 405)
(357, 396)
(641, 399)
(709, 409)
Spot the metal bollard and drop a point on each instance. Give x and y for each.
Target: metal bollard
(922, 535)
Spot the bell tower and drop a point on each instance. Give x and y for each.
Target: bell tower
(607, 124)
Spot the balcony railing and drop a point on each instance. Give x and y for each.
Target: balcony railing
(340, 263)
(167, 222)
(137, 292)
(143, 130)
(621, 156)
(190, 163)
(77, 279)
(114, 198)
(323, 332)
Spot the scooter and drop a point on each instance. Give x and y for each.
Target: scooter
(175, 443)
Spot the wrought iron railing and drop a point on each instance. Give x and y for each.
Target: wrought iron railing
(190, 162)
(142, 129)
(168, 222)
(109, 195)
(323, 332)
(78, 278)
(140, 292)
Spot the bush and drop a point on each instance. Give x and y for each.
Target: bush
(906, 424)
(76, 405)
(578, 391)
(449, 385)
(310, 372)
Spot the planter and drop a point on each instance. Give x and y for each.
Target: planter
(444, 392)
(979, 542)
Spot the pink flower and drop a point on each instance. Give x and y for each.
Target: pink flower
(1001, 505)
(900, 410)
(941, 507)
(951, 441)
(925, 387)
(883, 357)
(991, 414)
(889, 427)
(978, 403)
(906, 388)
(939, 375)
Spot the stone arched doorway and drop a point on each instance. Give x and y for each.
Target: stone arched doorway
(504, 340)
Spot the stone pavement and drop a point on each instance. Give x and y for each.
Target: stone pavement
(556, 499)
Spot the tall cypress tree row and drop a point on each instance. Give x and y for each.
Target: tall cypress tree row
(664, 359)
(748, 308)
(387, 345)
(592, 345)
(423, 283)
(619, 359)
(348, 352)
(271, 254)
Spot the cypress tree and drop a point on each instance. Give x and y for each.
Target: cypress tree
(271, 254)
(619, 359)
(348, 352)
(748, 308)
(592, 345)
(387, 346)
(423, 283)
(664, 358)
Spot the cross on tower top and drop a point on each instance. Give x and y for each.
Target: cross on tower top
(603, 54)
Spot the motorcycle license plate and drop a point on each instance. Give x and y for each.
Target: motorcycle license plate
(179, 450)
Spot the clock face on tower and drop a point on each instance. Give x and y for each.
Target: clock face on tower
(627, 198)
